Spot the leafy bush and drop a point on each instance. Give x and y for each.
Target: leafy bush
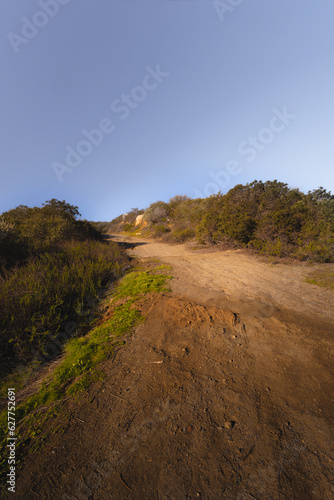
(187, 213)
(176, 201)
(33, 231)
(128, 227)
(181, 235)
(160, 230)
(157, 212)
(321, 250)
(274, 219)
(50, 263)
(12, 249)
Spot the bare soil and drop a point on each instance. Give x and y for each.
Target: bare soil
(225, 392)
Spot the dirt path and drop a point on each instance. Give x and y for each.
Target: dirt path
(226, 392)
(236, 276)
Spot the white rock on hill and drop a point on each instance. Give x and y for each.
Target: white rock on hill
(139, 219)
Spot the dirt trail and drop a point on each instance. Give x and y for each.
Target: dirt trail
(226, 392)
(234, 275)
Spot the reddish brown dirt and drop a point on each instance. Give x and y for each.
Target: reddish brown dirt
(226, 392)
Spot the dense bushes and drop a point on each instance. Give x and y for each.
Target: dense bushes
(181, 235)
(176, 220)
(12, 248)
(157, 212)
(51, 264)
(274, 219)
(37, 299)
(33, 231)
(267, 216)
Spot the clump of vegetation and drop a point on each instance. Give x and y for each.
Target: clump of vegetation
(27, 232)
(268, 217)
(323, 278)
(181, 235)
(157, 212)
(140, 282)
(38, 298)
(274, 219)
(124, 223)
(174, 221)
(51, 264)
(160, 230)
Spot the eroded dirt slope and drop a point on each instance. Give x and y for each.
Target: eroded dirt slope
(225, 392)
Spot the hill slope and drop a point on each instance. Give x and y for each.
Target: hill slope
(224, 392)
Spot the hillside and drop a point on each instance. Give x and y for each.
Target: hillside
(192, 370)
(223, 392)
(268, 217)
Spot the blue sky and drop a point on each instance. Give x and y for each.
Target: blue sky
(190, 96)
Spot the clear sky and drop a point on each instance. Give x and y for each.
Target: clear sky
(114, 104)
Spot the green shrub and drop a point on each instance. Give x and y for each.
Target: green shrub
(157, 212)
(160, 230)
(275, 248)
(321, 250)
(322, 277)
(33, 231)
(272, 218)
(128, 227)
(12, 248)
(182, 235)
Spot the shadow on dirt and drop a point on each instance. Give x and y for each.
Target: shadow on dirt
(124, 244)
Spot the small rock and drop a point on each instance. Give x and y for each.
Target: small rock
(230, 424)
